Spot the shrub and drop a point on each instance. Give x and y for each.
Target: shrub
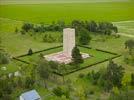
(30, 51)
(58, 91)
(4, 59)
(81, 75)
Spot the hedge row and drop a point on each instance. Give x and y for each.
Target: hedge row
(21, 60)
(38, 51)
(98, 49)
(87, 66)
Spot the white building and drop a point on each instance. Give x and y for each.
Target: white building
(30, 95)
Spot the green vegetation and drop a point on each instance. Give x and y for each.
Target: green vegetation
(27, 28)
(105, 11)
(4, 58)
(126, 27)
(76, 56)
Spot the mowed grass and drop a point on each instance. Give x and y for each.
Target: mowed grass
(36, 13)
(95, 56)
(17, 44)
(126, 27)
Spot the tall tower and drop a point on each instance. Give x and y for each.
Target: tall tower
(68, 40)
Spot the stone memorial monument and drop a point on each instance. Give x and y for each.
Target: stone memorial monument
(68, 40)
(68, 44)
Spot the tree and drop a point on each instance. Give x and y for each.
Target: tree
(16, 30)
(6, 88)
(4, 58)
(77, 25)
(58, 91)
(130, 45)
(53, 65)
(114, 75)
(84, 37)
(29, 82)
(30, 51)
(92, 26)
(132, 79)
(76, 56)
(44, 70)
(27, 26)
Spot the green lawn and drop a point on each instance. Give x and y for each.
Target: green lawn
(97, 56)
(125, 27)
(17, 44)
(104, 11)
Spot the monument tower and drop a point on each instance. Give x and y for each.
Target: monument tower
(68, 40)
(65, 56)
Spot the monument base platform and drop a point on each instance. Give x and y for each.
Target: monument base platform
(62, 57)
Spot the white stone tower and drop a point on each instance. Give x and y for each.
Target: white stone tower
(68, 40)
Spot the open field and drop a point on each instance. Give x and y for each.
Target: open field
(57, 1)
(17, 44)
(47, 13)
(125, 27)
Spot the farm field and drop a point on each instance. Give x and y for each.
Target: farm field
(47, 13)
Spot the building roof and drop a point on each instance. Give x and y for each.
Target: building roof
(30, 95)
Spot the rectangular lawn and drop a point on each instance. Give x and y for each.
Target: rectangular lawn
(96, 56)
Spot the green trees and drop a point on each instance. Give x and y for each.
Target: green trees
(84, 37)
(108, 78)
(132, 79)
(27, 26)
(30, 51)
(76, 56)
(129, 56)
(130, 45)
(6, 88)
(58, 91)
(92, 26)
(114, 75)
(44, 70)
(4, 58)
(29, 82)
(48, 38)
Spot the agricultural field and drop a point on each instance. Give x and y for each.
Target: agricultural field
(13, 14)
(47, 13)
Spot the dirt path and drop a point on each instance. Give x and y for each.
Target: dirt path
(127, 35)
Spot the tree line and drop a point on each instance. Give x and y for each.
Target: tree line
(129, 55)
(83, 29)
(100, 27)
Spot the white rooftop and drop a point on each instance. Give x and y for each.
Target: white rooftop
(30, 95)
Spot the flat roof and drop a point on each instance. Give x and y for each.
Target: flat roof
(30, 95)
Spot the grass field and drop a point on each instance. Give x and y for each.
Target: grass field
(126, 27)
(96, 56)
(17, 44)
(104, 11)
